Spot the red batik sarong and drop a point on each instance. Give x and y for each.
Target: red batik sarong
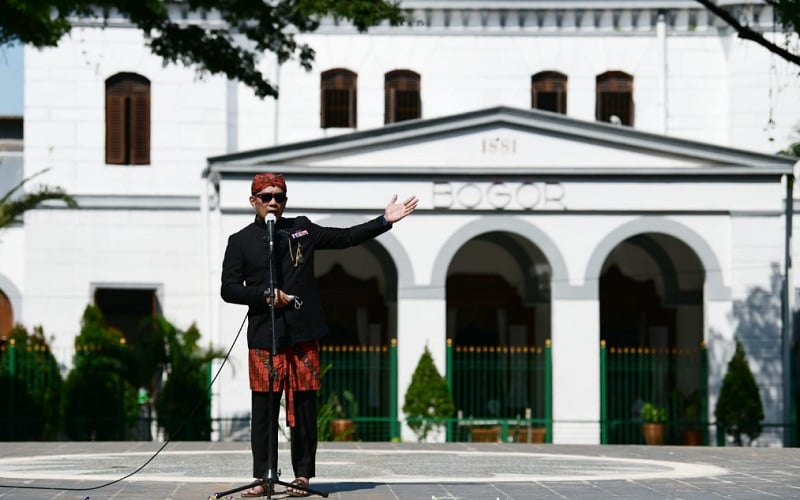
(296, 369)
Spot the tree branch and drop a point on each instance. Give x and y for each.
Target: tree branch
(747, 33)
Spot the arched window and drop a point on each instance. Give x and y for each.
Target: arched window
(339, 98)
(549, 91)
(615, 98)
(128, 119)
(402, 96)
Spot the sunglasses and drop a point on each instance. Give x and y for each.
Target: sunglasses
(267, 197)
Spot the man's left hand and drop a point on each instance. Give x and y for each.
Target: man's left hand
(396, 211)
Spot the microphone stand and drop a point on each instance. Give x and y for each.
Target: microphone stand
(270, 478)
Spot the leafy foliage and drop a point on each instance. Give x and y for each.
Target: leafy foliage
(233, 48)
(739, 410)
(31, 387)
(788, 14)
(428, 400)
(653, 414)
(186, 390)
(11, 208)
(99, 401)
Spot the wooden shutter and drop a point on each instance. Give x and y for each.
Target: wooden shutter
(549, 91)
(615, 97)
(339, 99)
(128, 120)
(140, 126)
(401, 96)
(116, 131)
(6, 316)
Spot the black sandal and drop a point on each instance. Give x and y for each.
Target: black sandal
(300, 482)
(256, 491)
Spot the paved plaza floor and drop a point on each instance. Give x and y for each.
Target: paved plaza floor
(69, 470)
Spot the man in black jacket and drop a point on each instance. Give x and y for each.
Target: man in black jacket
(299, 318)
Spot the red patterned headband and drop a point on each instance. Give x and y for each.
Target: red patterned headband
(261, 181)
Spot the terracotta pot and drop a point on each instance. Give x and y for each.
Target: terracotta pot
(486, 434)
(653, 433)
(537, 435)
(343, 429)
(692, 437)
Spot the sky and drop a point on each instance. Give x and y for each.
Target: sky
(11, 65)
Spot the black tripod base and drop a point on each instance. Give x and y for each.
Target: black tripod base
(269, 489)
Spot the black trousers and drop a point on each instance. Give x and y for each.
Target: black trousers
(264, 433)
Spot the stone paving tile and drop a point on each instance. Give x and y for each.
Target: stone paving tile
(458, 471)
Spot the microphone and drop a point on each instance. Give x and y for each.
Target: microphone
(270, 221)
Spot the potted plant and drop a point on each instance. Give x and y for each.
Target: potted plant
(342, 425)
(691, 433)
(654, 423)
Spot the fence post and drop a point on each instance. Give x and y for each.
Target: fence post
(548, 391)
(603, 389)
(704, 422)
(449, 369)
(394, 424)
(12, 353)
(793, 395)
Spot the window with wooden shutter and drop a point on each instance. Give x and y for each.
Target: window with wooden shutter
(549, 91)
(615, 98)
(402, 96)
(128, 119)
(339, 98)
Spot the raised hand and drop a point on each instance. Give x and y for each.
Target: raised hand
(396, 211)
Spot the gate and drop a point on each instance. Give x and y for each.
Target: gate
(674, 379)
(500, 393)
(366, 373)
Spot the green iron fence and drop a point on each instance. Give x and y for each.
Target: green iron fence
(30, 386)
(794, 393)
(501, 393)
(369, 373)
(675, 379)
(33, 392)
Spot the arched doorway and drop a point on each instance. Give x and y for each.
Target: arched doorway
(498, 327)
(358, 289)
(6, 316)
(651, 325)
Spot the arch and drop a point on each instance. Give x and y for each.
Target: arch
(449, 248)
(393, 257)
(715, 288)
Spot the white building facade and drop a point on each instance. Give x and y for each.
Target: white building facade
(653, 234)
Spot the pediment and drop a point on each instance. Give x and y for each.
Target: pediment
(504, 140)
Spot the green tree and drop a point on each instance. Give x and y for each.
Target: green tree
(794, 148)
(249, 29)
(12, 207)
(788, 13)
(30, 385)
(182, 406)
(428, 400)
(99, 401)
(739, 410)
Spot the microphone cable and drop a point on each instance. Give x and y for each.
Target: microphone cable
(168, 441)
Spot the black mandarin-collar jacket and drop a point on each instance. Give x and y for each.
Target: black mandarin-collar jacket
(245, 275)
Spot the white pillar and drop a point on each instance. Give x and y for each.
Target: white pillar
(576, 371)
(421, 321)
